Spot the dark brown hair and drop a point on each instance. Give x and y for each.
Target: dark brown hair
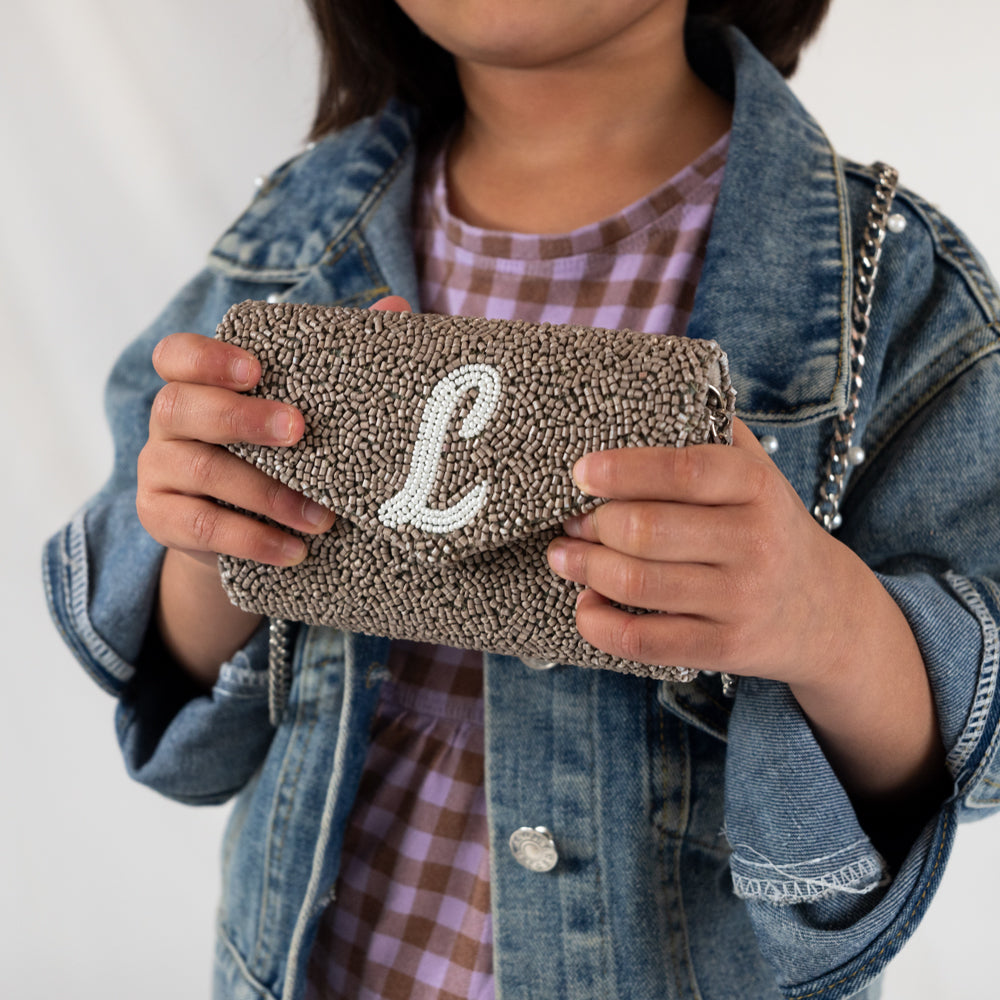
(371, 51)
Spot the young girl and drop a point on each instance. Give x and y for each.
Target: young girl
(432, 822)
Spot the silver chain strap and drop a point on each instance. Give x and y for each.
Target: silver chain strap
(278, 670)
(719, 420)
(843, 452)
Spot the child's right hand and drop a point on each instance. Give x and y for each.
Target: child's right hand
(183, 472)
(183, 469)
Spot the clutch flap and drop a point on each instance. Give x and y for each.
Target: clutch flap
(450, 435)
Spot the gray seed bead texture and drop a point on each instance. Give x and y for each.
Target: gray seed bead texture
(363, 379)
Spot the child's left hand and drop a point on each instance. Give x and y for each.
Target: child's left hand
(716, 540)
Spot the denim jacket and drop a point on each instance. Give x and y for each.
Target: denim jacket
(706, 848)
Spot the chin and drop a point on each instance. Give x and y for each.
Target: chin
(524, 34)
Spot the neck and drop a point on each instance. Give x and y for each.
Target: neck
(549, 148)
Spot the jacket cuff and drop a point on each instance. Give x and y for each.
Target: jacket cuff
(188, 745)
(874, 939)
(196, 747)
(825, 912)
(70, 593)
(955, 622)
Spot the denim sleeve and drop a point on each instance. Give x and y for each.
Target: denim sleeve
(925, 515)
(101, 573)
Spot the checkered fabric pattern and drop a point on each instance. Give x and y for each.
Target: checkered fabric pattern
(411, 916)
(412, 912)
(637, 270)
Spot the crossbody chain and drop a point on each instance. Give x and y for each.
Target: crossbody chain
(843, 452)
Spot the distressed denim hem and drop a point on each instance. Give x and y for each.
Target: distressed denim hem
(853, 976)
(985, 699)
(244, 675)
(859, 870)
(66, 576)
(238, 681)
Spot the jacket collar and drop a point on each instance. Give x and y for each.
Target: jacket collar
(312, 206)
(775, 287)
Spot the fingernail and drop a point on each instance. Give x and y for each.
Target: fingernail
(573, 526)
(580, 474)
(293, 550)
(314, 513)
(557, 556)
(281, 425)
(241, 371)
(579, 597)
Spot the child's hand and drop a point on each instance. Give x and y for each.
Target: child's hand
(183, 470)
(716, 540)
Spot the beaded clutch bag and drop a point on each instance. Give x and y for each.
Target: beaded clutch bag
(445, 446)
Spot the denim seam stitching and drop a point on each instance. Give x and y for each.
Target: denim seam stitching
(684, 944)
(960, 754)
(951, 247)
(236, 268)
(846, 258)
(241, 965)
(819, 859)
(798, 888)
(61, 613)
(258, 275)
(902, 930)
(369, 203)
(968, 263)
(241, 681)
(357, 242)
(75, 586)
(285, 812)
(952, 372)
(274, 849)
(335, 781)
(599, 886)
(874, 449)
(675, 851)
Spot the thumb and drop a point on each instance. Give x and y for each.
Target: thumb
(393, 303)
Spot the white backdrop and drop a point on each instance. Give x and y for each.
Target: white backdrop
(130, 134)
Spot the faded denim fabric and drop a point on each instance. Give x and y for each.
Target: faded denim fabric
(706, 848)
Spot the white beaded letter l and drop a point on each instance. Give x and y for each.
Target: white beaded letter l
(409, 505)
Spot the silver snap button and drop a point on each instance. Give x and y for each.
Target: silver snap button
(537, 663)
(534, 849)
(273, 297)
(259, 182)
